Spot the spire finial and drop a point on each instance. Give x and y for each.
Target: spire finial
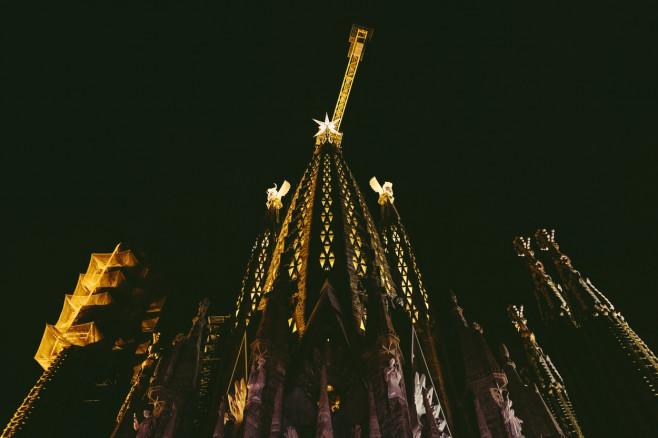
(546, 240)
(328, 126)
(456, 310)
(522, 247)
(328, 131)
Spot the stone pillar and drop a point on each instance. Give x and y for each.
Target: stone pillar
(324, 427)
(221, 418)
(265, 378)
(383, 364)
(275, 430)
(373, 425)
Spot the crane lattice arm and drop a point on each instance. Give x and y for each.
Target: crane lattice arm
(328, 130)
(359, 36)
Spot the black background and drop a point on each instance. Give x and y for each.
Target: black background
(161, 126)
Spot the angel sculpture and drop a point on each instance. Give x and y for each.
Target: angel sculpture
(274, 194)
(419, 385)
(512, 422)
(385, 191)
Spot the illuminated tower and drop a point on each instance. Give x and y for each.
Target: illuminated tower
(93, 351)
(496, 402)
(605, 363)
(413, 299)
(546, 376)
(260, 257)
(228, 348)
(326, 359)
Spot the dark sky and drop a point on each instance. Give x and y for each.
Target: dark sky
(162, 127)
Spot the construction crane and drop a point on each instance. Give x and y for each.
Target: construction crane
(359, 37)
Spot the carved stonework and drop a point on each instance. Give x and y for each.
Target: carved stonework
(391, 348)
(373, 422)
(256, 381)
(222, 418)
(290, 432)
(393, 376)
(385, 191)
(237, 402)
(512, 423)
(145, 428)
(324, 426)
(275, 430)
(419, 386)
(428, 414)
(275, 194)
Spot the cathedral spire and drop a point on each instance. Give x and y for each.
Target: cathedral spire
(546, 376)
(400, 254)
(328, 287)
(260, 257)
(477, 356)
(549, 295)
(485, 381)
(598, 347)
(584, 302)
(598, 306)
(413, 298)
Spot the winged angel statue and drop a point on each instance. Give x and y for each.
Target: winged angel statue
(274, 194)
(385, 191)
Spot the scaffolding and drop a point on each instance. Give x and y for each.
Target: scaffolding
(104, 272)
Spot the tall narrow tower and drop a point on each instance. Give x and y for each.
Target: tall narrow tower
(490, 389)
(601, 356)
(326, 359)
(230, 344)
(93, 352)
(546, 376)
(414, 299)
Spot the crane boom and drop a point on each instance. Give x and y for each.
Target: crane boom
(359, 36)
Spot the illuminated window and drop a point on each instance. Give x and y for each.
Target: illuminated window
(327, 257)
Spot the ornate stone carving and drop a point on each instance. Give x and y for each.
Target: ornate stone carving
(512, 423)
(146, 427)
(275, 194)
(391, 348)
(393, 376)
(419, 385)
(385, 191)
(290, 432)
(256, 381)
(222, 418)
(237, 402)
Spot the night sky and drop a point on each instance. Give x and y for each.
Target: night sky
(161, 127)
